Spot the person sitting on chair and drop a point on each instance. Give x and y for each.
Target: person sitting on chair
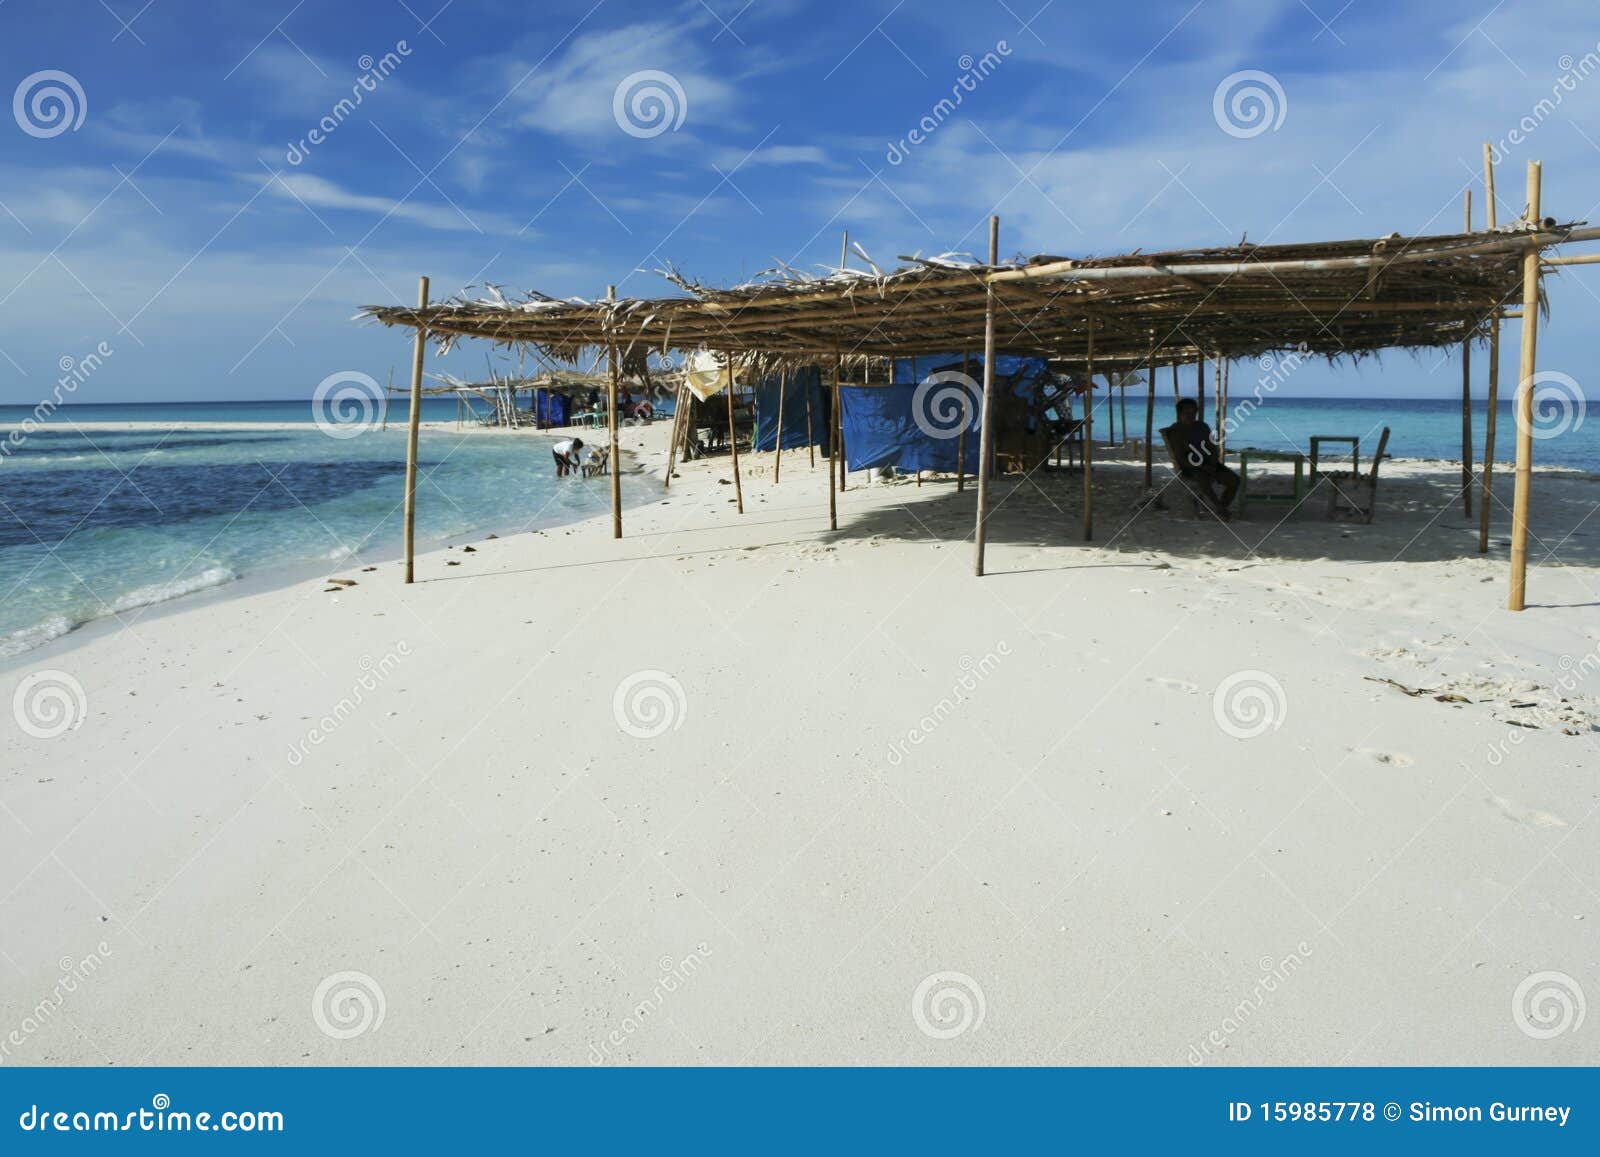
(1201, 462)
(566, 452)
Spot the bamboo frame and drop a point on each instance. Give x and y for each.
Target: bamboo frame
(1492, 404)
(1517, 597)
(986, 411)
(777, 435)
(1088, 444)
(833, 449)
(966, 420)
(1150, 416)
(733, 442)
(613, 370)
(1466, 394)
(413, 426)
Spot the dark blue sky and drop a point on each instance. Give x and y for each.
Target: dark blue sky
(192, 223)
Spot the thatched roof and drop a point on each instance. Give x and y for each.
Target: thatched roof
(1331, 298)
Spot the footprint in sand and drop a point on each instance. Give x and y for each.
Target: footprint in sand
(1392, 758)
(1532, 817)
(1176, 684)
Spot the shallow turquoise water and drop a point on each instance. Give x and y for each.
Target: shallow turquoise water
(97, 522)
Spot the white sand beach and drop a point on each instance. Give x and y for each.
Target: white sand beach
(737, 789)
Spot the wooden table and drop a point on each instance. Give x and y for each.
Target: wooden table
(1296, 493)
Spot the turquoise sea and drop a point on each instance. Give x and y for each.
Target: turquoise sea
(99, 521)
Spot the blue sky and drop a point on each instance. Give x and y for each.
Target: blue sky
(189, 223)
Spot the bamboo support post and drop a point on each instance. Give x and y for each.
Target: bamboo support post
(1088, 445)
(611, 420)
(811, 437)
(733, 441)
(966, 420)
(777, 434)
(986, 411)
(1150, 415)
(1517, 599)
(678, 418)
(413, 425)
(833, 449)
(1466, 396)
(1492, 403)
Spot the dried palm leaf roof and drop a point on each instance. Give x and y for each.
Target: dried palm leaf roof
(1338, 298)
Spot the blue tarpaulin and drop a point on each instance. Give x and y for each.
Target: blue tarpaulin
(802, 383)
(552, 408)
(881, 426)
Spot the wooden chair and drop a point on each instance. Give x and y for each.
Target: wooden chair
(1169, 439)
(1356, 492)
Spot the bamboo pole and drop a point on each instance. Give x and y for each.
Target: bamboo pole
(833, 449)
(1222, 409)
(1466, 397)
(413, 421)
(1122, 392)
(1492, 404)
(1150, 415)
(1176, 392)
(733, 440)
(811, 437)
(1200, 386)
(986, 413)
(1517, 599)
(777, 437)
(1216, 402)
(611, 421)
(1111, 410)
(966, 420)
(1088, 445)
(838, 432)
(678, 419)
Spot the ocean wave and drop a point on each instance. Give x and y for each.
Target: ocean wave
(28, 638)
(19, 642)
(215, 576)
